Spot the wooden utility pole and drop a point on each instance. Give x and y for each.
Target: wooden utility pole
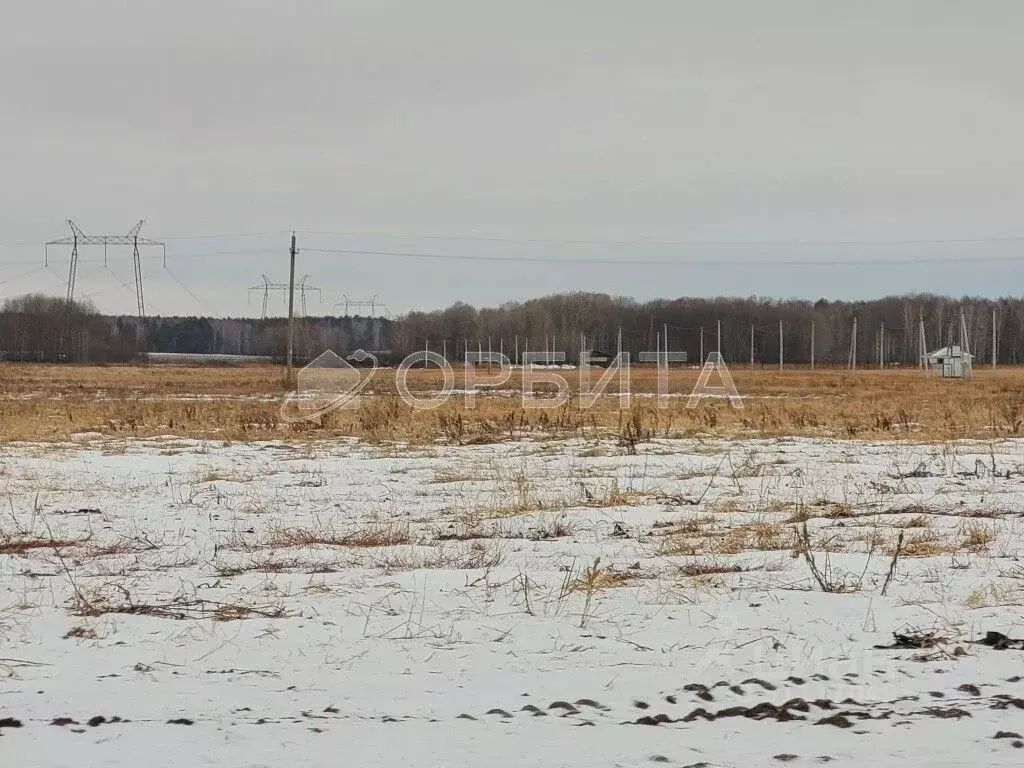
(993, 338)
(922, 347)
(702, 345)
(751, 345)
(719, 337)
(853, 346)
(291, 309)
(881, 348)
(812, 345)
(780, 345)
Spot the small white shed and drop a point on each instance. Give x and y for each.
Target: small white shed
(952, 362)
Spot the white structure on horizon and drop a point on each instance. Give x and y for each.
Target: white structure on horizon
(952, 362)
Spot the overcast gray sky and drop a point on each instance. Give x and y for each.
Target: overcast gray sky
(741, 124)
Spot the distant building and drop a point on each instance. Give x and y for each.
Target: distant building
(598, 358)
(952, 362)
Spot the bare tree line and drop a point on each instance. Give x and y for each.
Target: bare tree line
(40, 328)
(750, 327)
(45, 328)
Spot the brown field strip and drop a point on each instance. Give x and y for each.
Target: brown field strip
(51, 402)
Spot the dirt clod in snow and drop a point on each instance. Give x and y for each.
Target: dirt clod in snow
(1001, 642)
(655, 720)
(562, 705)
(757, 681)
(839, 721)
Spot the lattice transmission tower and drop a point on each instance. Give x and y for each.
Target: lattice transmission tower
(372, 303)
(78, 239)
(301, 286)
(267, 286)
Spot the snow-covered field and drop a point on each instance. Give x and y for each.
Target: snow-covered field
(532, 604)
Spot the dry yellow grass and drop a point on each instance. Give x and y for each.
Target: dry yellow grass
(977, 536)
(924, 543)
(595, 578)
(753, 536)
(374, 536)
(52, 402)
(21, 545)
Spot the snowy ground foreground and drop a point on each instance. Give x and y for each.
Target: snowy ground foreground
(187, 587)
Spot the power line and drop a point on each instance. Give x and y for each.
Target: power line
(234, 252)
(202, 304)
(586, 261)
(216, 235)
(591, 261)
(794, 242)
(23, 275)
(598, 261)
(644, 241)
(198, 255)
(203, 236)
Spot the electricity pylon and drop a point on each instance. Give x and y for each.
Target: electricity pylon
(78, 238)
(301, 286)
(267, 287)
(371, 303)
